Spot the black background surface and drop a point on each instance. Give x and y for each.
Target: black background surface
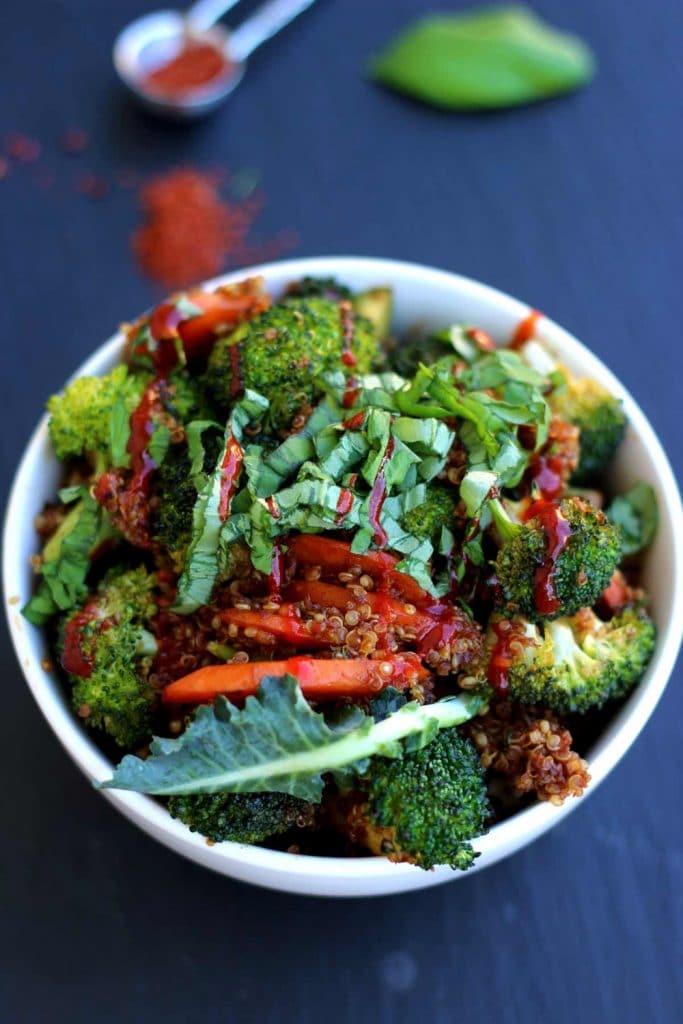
(575, 206)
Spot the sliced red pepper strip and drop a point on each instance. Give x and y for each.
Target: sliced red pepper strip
(284, 624)
(320, 679)
(336, 556)
(222, 310)
(393, 612)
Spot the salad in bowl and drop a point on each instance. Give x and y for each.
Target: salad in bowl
(330, 591)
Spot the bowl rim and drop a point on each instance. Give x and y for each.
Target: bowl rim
(227, 857)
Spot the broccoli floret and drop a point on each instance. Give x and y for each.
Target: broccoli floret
(427, 519)
(320, 288)
(187, 399)
(425, 807)
(578, 663)
(282, 352)
(239, 817)
(110, 692)
(578, 573)
(601, 422)
(177, 496)
(406, 357)
(80, 416)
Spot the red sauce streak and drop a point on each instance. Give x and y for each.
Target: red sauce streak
(377, 497)
(546, 473)
(351, 393)
(503, 655)
(557, 531)
(231, 468)
(355, 422)
(525, 329)
(194, 67)
(236, 379)
(163, 326)
(344, 505)
(272, 508)
(141, 429)
(73, 659)
(347, 318)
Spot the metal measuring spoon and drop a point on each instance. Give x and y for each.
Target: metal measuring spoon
(156, 38)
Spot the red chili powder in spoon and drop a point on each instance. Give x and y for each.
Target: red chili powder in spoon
(195, 66)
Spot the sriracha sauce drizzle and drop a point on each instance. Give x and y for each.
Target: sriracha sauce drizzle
(141, 429)
(351, 393)
(377, 497)
(546, 473)
(525, 329)
(231, 468)
(347, 317)
(557, 531)
(73, 658)
(503, 654)
(344, 505)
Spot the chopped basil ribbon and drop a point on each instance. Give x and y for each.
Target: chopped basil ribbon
(66, 559)
(201, 562)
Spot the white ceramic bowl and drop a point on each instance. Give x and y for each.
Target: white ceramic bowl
(432, 298)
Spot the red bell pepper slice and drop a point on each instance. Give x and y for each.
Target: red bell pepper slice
(222, 310)
(320, 679)
(285, 625)
(389, 609)
(336, 556)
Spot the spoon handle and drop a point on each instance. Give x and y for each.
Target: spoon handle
(205, 13)
(267, 20)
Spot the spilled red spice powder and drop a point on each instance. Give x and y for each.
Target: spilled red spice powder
(92, 185)
(190, 231)
(22, 148)
(74, 140)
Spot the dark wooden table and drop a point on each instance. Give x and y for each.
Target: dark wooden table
(574, 206)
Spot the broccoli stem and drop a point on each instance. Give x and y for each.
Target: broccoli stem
(146, 646)
(505, 526)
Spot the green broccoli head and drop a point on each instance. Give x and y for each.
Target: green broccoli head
(112, 693)
(427, 519)
(580, 572)
(576, 664)
(281, 354)
(176, 493)
(406, 356)
(425, 807)
(186, 399)
(318, 288)
(114, 697)
(80, 417)
(601, 422)
(240, 817)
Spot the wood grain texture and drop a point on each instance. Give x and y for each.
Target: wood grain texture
(574, 205)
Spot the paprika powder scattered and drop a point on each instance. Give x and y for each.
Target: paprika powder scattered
(189, 229)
